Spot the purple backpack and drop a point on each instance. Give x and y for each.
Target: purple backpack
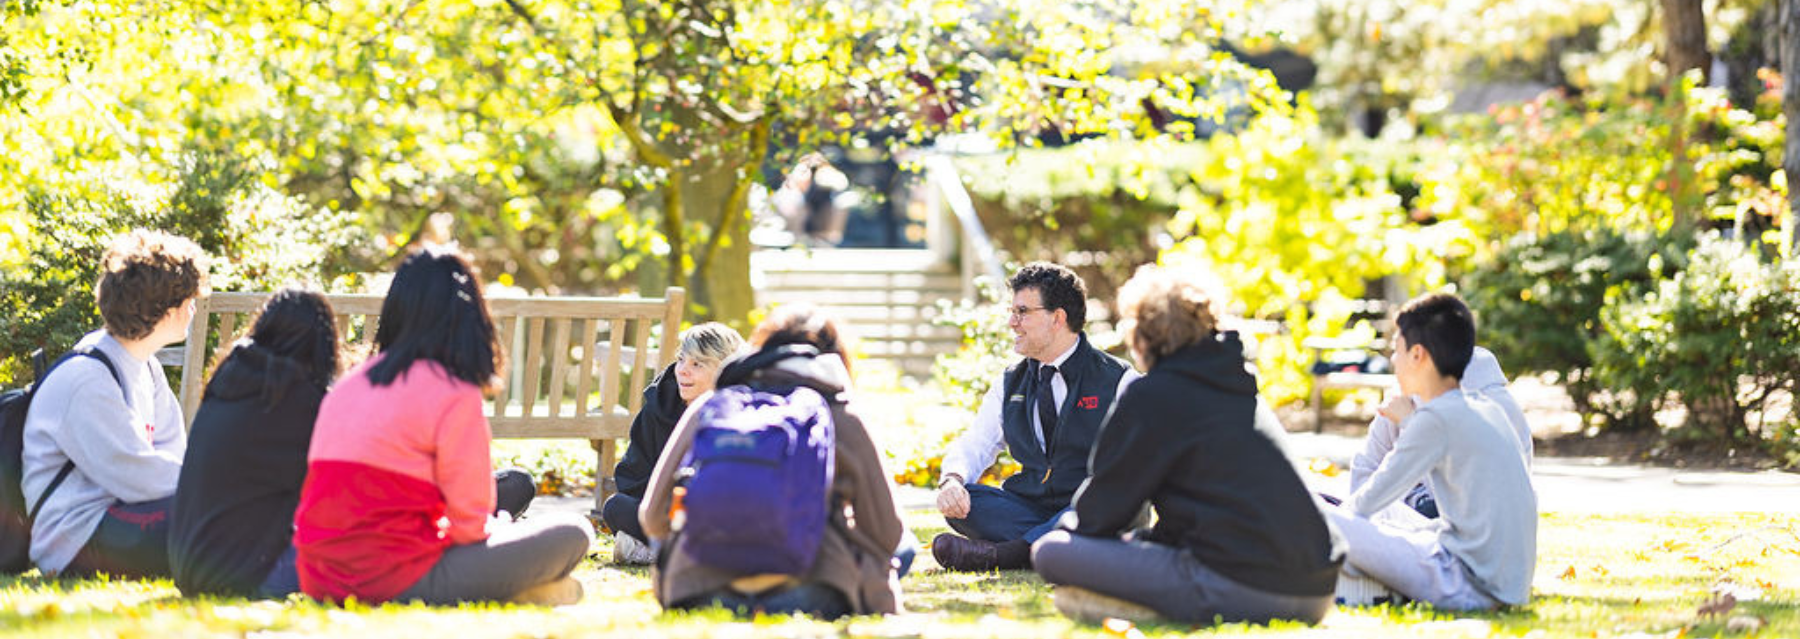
(759, 474)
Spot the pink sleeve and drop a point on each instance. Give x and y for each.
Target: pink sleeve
(465, 467)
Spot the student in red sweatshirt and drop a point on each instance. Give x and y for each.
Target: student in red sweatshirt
(399, 483)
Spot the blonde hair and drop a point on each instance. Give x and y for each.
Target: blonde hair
(1164, 310)
(711, 342)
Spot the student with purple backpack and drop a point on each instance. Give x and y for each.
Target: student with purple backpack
(770, 496)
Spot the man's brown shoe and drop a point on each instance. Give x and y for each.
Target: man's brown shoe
(956, 552)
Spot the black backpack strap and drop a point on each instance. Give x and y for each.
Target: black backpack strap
(69, 465)
(94, 353)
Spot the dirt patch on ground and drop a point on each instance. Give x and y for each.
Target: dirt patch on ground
(1647, 447)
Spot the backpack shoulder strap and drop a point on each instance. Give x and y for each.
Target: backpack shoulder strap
(96, 354)
(69, 465)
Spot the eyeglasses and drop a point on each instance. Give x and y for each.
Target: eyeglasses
(1018, 312)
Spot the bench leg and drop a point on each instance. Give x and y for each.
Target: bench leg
(603, 474)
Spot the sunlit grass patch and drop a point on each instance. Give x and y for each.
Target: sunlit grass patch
(1597, 576)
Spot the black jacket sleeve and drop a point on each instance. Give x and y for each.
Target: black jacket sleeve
(650, 431)
(1128, 463)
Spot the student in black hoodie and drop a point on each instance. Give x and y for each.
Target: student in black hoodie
(232, 522)
(703, 348)
(1238, 537)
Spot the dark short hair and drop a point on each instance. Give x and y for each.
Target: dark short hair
(801, 324)
(435, 311)
(1442, 324)
(144, 275)
(1059, 287)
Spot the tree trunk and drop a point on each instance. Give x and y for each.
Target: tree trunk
(720, 284)
(1684, 33)
(1790, 107)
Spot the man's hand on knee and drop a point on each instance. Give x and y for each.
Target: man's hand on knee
(952, 497)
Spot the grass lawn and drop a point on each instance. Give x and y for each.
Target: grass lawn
(1597, 576)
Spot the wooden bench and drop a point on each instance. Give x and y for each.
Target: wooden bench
(567, 371)
(1321, 348)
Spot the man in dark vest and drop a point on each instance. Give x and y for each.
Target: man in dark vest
(1046, 411)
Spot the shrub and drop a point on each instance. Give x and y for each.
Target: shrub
(257, 239)
(986, 345)
(560, 467)
(1538, 299)
(1722, 339)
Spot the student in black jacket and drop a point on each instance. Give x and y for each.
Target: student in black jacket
(1238, 537)
(703, 348)
(232, 522)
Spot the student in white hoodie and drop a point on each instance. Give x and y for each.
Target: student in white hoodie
(1481, 551)
(123, 437)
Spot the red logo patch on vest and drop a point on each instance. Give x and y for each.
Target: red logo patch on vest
(1090, 402)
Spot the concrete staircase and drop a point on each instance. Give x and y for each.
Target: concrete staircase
(886, 296)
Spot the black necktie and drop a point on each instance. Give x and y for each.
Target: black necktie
(1046, 404)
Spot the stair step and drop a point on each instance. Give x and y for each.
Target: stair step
(948, 284)
(852, 261)
(886, 298)
(853, 297)
(922, 332)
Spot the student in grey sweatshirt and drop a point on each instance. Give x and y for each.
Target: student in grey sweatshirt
(1482, 550)
(125, 438)
(1482, 377)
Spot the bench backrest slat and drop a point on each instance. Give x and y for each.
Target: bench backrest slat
(553, 348)
(559, 362)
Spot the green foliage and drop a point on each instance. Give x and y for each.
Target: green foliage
(560, 467)
(1405, 60)
(1737, 164)
(1552, 165)
(1721, 339)
(1538, 299)
(256, 238)
(1296, 226)
(1098, 207)
(964, 376)
(579, 147)
(987, 346)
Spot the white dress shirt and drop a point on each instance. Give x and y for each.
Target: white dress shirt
(976, 448)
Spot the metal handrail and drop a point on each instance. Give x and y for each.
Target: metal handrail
(977, 249)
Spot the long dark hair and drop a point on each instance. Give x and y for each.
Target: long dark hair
(296, 323)
(296, 337)
(435, 311)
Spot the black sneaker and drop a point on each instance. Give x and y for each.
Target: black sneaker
(955, 552)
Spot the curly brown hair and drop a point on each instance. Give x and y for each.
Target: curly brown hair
(144, 275)
(1164, 310)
